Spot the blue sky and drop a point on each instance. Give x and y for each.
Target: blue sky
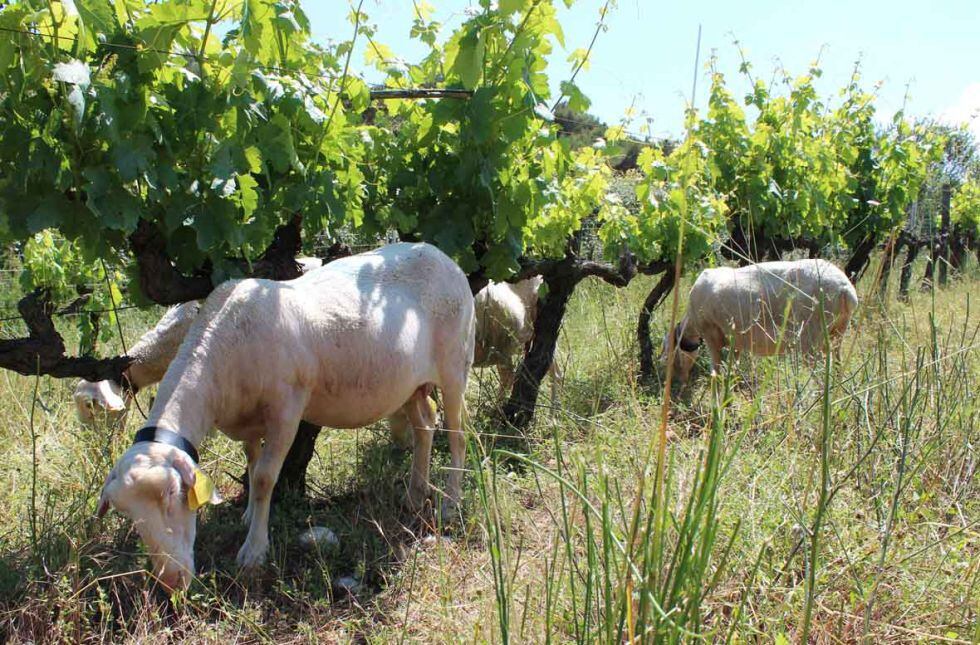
(646, 57)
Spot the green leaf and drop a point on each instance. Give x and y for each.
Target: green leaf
(275, 141)
(217, 225)
(480, 115)
(115, 207)
(254, 159)
(469, 59)
(248, 197)
(47, 214)
(98, 18)
(451, 234)
(161, 25)
(133, 157)
(257, 29)
(359, 94)
(12, 17)
(508, 7)
(577, 101)
(501, 260)
(231, 159)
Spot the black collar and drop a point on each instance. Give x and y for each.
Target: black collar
(685, 344)
(689, 345)
(153, 434)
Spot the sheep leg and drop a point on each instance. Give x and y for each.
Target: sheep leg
(252, 448)
(453, 403)
(557, 379)
(400, 428)
(715, 340)
(280, 432)
(505, 371)
(417, 411)
(400, 425)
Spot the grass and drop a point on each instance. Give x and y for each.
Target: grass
(839, 501)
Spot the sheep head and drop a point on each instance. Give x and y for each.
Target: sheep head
(102, 400)
(151, 484)
(686, 351)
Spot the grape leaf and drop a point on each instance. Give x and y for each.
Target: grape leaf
(469, 59)
(133, 157)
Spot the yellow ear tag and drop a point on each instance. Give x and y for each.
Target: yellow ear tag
(202, 490)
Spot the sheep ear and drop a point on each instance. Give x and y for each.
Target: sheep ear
(200, 489)
(171, 493)
(104, 505)
(203, 492)
(184, 466)
(215, 496)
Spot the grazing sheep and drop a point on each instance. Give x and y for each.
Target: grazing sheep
(151, 356)
(769, 307)
(505, 316)
(342, 346)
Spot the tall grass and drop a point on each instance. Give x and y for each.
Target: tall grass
(874, 429)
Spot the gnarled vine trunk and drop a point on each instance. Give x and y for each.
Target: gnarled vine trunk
(561, 276)
(643, 338)
(858, 261)
(892, 248)
(946, 197)
(519, 409)
(903, 283)
(928, 275)
(292, 477)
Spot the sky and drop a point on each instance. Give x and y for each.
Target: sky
(646, 56)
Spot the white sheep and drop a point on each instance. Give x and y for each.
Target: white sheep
(151, 355)
(768, 307)
(342, 346)
(505, 315)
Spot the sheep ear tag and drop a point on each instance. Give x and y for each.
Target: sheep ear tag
(201, 492)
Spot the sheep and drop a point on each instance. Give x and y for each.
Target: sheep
(151, 356)
(769, 307)
(341, 346)
(505, 316)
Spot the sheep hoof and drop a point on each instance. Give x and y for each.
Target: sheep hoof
(251, 556)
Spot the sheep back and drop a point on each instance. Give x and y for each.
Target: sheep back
(760, 301)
